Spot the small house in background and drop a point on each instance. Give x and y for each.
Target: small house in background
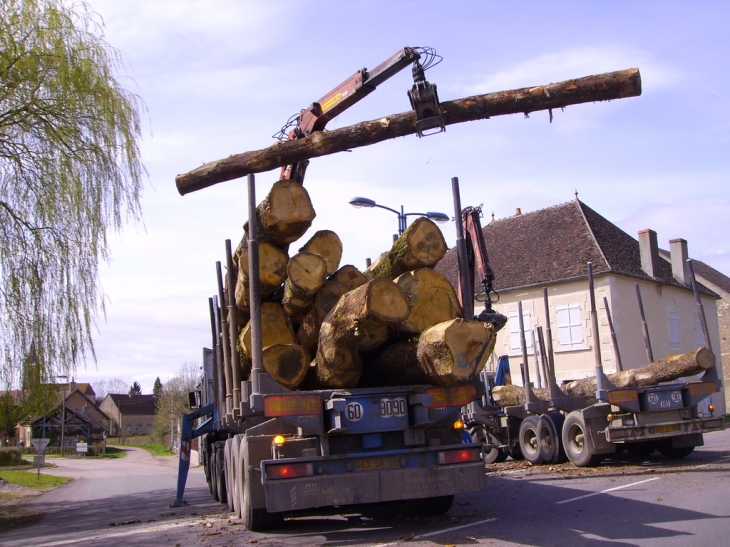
(550, 248)
(130, 414)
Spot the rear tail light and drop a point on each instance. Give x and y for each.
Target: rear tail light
(461, 455)
(289, 470)
(292, 405)
(452, 396)
(702, 388)
(623, 396)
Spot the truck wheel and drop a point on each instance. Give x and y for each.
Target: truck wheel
(494, 455)
(227, 474)
(259, 519)
(220, 474)
(214, 473)
(208, 470)
(528, 440)
(549, 430)
(437, 505)
(235, 476)
(576, 443)
(641, 449)
(665, 449)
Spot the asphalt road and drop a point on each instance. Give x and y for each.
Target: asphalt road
(624, 502)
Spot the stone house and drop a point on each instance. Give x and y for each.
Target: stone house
(551, 248)
(130, 414)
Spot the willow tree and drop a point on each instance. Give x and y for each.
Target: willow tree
(70, 176)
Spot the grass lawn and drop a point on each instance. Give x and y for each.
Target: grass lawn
(30, 479)
(156, 449)
(112, 452)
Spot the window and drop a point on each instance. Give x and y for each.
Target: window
(514, 330)
(700, 334)
(149, 428)
(674, 341)
(570, 329)
(129, 428)
(139, 428)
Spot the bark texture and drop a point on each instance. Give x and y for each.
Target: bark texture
(600, 87)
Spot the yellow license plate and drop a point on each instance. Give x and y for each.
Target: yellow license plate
(376, 464)
(665, 428)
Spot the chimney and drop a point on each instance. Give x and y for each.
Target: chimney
(518, 211)
(679, 256)
(649, 251)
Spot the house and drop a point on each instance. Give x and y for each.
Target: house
(550, 248)
(130, 414)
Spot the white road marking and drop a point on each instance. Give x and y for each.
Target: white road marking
(609, 490)
(439, 532)
(115, 533)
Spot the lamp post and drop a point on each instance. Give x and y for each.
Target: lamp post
(63, 412)
(359, 202)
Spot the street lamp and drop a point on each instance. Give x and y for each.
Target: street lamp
(359, 202)
(63, 412)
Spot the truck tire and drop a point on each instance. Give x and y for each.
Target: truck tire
(253, 519)
(479, 434)
(576, 443)
(528, 440)
(208, 470)
(214, 472)
(221, 474)
(235, 478)
(549, 441)
(641, 449)
(228, 475)
(240, 470)
(666, 449)
(437, 505)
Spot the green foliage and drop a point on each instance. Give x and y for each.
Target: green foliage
(30, 479)
(173, 401)
(11, 456)
(70, 173)
(156, 449)
(135, 389)
(157, 388)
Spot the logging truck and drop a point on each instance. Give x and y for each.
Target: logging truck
(638, 410)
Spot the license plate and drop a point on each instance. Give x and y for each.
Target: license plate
(665, 428)
(375, 464)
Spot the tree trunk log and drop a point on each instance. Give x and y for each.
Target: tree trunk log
(306, 274)
(342, 281)
(272, 272)
(455, 351)
(275, 328)
(396, 365)
(421, 245)
(286, 213)
(664, 370)
(432, 298)
(287, 364)
(601, 87)
(328, 245)
(353, 323)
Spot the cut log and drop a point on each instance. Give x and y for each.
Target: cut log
(275, 328)
(342, 281)
(455, 351)
(601, 87)
(664, 370)
(433, 299)
(285, 215)
(513, 395)
(272, 272)
(421, 245)
(328, 245)
(287, 364)
(396, 365)
(352, 325)
(306, 273)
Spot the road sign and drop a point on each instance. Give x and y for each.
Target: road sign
(82, 447)
(40, 444)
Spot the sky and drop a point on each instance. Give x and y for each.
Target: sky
(221, 77)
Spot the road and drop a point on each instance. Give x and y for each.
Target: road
(623, 502)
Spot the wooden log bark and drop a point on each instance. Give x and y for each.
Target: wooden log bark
(285, 214)
(601, 87)
(287, 364)
(306, 272)
(664, 370)
(340, 282)
(455, 351)
(272, 272)
(328, 245)
(513, 395)
(432, 297)
(421, 245)
(275, 328)
(358, 316)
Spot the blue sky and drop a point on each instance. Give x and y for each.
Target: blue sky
(220, 78)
